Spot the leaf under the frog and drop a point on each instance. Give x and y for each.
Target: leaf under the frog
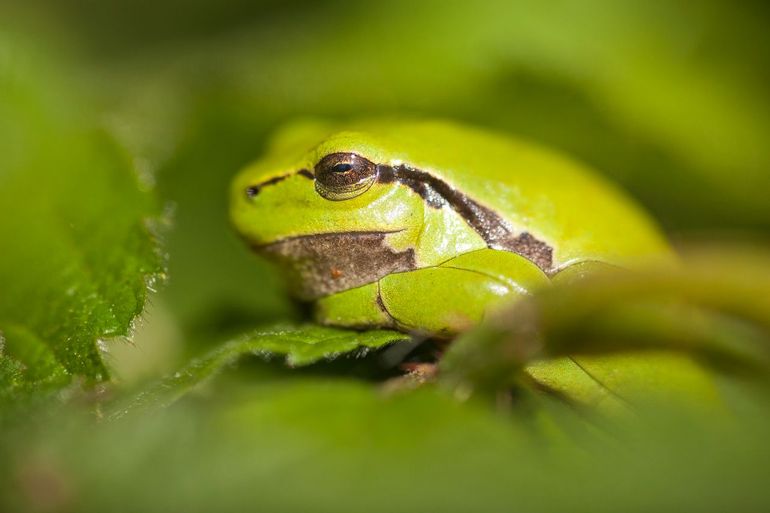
(299, 345)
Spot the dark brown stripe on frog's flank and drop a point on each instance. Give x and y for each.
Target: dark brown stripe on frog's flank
(326, 263)
(487, 223)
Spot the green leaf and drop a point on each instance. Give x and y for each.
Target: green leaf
(299, 345)
(327, 444)
(78, 250)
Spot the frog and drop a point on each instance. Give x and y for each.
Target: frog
(428, 226)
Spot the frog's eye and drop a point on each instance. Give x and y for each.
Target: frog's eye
(341, 176)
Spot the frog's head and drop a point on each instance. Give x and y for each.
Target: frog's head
(325, 206)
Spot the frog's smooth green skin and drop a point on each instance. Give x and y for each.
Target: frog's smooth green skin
(425, 225)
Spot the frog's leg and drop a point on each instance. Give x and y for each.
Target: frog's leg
(440, 300)
(451, 297)
(443, 299)
(359, 307)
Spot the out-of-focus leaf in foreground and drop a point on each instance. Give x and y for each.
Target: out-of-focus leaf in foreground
(76, 251)
(714, 306)
(339, 445)
(302, 345)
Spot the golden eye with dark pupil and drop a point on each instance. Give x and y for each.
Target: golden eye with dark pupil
(341, 176)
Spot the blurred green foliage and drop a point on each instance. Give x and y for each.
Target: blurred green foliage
(668, 99)
(314, 444)
(630, 87)
(69, 277)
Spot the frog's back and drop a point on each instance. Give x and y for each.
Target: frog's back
(565, 204)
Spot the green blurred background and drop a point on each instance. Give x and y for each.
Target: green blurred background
(669, 99)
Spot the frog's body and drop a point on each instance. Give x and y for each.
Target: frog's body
(426, 226)
(442, 221)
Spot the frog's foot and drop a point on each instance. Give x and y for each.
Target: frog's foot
(420, 371)
(416, 375)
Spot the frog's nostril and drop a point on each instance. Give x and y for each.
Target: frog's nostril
(252, 191)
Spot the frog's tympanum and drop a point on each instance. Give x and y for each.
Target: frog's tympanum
(424, 226)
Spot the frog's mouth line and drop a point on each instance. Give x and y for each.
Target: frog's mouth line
(326, 263)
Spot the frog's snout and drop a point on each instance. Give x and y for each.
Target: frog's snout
(252, 191)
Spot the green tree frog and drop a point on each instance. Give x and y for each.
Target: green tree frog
(426, 225)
